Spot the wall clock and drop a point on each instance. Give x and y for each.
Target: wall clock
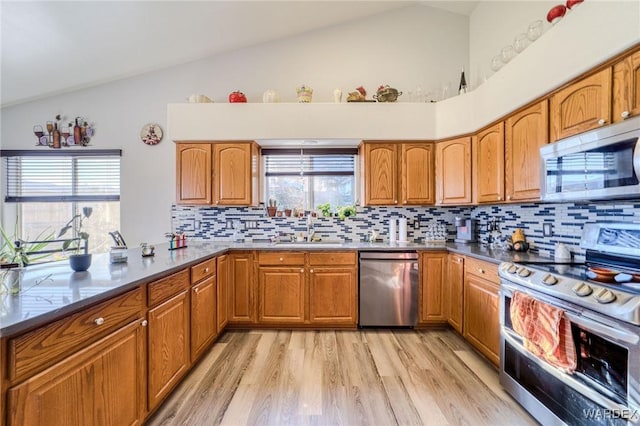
(151, 134)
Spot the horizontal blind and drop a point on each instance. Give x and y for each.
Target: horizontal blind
(56, 178)
(309, 162)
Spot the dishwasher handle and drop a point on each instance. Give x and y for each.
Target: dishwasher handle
(389, 255)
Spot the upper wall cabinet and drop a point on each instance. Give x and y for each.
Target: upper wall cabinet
(223, 174)
(453, 171)
(193, 173)
(398, 173)
(525, 132)
(488, 164)
(582, 106)
(626, 87)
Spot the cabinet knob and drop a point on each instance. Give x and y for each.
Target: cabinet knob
(499, 198)
(196, 290)
(281, 259)
(311, 271)
(625, 114)
(302, 271)
(481, 270)
(459, 260)
(509, 197)
(99, 321)
(395, 201)
(144, 323)
(602, 122)
(404, 202)
(206, 270)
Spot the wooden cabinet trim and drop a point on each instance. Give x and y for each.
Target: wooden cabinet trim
(164, 288)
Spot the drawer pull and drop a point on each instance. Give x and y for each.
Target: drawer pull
(144, 323)
(281, 259)
(311, 271)
(206, 270)
(481, 270)
(459, 260)
(625, 114)
(602, 122)
(196, 290)
(99, 321)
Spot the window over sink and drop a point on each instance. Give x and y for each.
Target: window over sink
(304, 178)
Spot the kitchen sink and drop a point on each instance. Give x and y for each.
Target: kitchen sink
(307, 244)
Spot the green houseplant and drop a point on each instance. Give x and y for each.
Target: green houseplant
(16, 254)
(77, 260)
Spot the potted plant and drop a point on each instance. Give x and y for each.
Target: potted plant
(346, 211)
(78, 261)
(325, 209)
(15, 255)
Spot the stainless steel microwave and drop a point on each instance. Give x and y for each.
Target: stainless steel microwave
(598, 164)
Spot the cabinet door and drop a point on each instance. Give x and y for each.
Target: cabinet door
(488, 164)
(203, 316)
(241, 309)
(417, 173)
(482, 316)
(232, 174)
(525, 133)
(581, 106)
(223, 293)
(453, 172)
(626, 87)
(193, 173)
(455, 291)
(281, 295)
(380, 174)
(168, 347)
(432, 306)
(102, 384)
(333, 297)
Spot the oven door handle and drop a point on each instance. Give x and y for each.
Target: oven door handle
(583, 318)
(589, 392)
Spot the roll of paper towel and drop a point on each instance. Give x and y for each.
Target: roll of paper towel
(392, 231)
(402, 229)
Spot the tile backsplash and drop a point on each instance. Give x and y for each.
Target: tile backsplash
(565, 219)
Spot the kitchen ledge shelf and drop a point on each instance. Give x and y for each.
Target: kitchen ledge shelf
(51, 291)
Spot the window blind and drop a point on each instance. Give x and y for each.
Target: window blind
(309, 162)
(36, 176)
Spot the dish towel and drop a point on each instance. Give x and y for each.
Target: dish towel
(545, 330)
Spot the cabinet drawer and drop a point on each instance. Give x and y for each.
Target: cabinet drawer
(203, 270)
(47, 345)
(480, 268)
(281, 258)
(332, 258)
(164, 288)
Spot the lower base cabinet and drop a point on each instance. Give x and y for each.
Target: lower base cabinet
(333, 295)
(455, 291)
(432, 308)
(168, 346)
(102, 384)
(203, 316)
(281, 295)
(482, 316)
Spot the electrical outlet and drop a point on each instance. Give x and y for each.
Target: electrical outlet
(547, 230)
(416, 224)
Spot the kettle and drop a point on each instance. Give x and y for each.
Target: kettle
(562, 252)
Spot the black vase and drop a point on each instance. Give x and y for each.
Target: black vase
(80, 262)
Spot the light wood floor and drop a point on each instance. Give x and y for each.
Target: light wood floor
(372, 377)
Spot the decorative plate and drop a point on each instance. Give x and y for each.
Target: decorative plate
(151, 134)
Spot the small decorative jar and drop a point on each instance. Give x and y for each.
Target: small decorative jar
(118, 254)
(304, 94)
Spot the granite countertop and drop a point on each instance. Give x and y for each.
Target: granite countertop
(51, 291)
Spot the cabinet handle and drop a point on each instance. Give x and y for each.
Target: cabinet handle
(302, 271)
(602, 122)
(144, 323)
(499, 198)
(311, 271)
(206, 270)
(509, 197)
(395, 201)
(459, 260)
(99, 321)
(404, 202)
(625, 114)
(281, 259)
(481, 270)
(196, 290)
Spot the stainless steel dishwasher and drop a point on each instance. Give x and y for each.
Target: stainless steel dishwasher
(388, 289)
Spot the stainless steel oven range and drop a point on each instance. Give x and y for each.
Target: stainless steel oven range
(599, 302)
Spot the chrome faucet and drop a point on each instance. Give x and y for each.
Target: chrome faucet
(310, 228)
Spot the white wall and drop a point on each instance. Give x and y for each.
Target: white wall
(416, 46)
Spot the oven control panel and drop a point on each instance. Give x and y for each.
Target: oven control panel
(617, 304)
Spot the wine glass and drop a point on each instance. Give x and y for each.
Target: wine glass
(66, 131)
(507, 53)
(535, 30)
(37, 130)
(496, 63)
(520, 42)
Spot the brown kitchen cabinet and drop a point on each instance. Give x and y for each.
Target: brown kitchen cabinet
(281, 294)
(333, 288)
(488, 164)
(193, 173)
(235, 173)
(581, 106)
(101, 384)
(525, 132)
(398, 173)
(203, 307)
(222, 302)
(453, 172)
(433, 269)
(168, 335)
(454, 291)
(482, 308)
(241, 289)
(626, 87)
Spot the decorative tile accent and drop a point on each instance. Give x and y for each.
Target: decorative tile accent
(566, 219)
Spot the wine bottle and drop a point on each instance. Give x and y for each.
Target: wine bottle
(56, 136)
(77, 133)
